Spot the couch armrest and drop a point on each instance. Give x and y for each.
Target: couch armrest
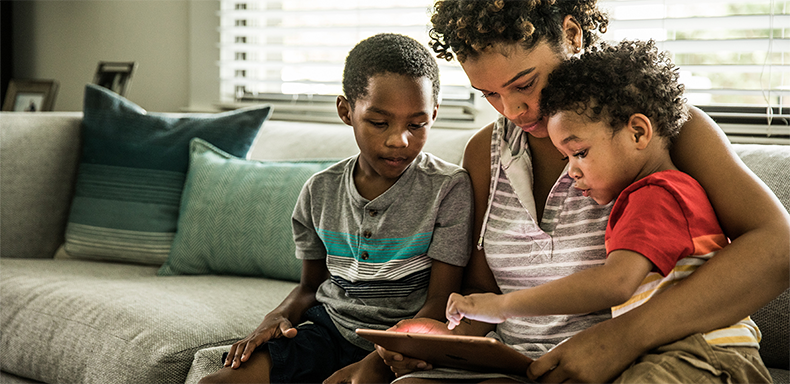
(39, 154)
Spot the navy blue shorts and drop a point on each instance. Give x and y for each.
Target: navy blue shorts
(316, 352)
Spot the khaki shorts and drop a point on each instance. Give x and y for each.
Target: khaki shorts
(693, 360)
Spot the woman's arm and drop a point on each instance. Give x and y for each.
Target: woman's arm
(740, 279)
(477, 161)
(477, 275)
(445, 279)
(755, 267)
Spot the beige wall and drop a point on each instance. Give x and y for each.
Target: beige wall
(172, 41)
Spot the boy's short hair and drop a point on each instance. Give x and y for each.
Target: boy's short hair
(387, 53)
(616, 82)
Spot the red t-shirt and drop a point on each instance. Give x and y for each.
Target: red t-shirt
(664, 217)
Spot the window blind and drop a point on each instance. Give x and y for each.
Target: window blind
(291, 53)
(734, 56)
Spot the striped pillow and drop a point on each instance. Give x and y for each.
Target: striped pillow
(132, 172)
(236, 216)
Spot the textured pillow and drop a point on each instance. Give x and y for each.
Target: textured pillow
(132, 172)
(236, 215)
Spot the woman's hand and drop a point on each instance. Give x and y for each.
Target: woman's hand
(272, 327)
(595, 355)
(400, 364)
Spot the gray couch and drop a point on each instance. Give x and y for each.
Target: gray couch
(74, 321)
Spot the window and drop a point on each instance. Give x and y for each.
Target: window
(292, 54)
(734, 56)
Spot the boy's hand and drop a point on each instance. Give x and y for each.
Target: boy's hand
(270, 328)
(485, 307)
(400, 364)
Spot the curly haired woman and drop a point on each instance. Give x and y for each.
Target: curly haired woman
(535, 227)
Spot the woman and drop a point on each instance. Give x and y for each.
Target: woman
(507, 49)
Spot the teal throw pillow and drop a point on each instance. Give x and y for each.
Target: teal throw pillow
(236, 215)
(132, 172)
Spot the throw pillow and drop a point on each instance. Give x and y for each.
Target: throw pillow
(236, 216)
(132, 172)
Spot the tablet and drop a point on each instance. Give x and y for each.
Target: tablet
(473, 353)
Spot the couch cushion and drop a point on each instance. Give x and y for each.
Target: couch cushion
(78, 321)
(206, 362)
(336, 141)
(39, 153)
(235, 216)
(132, 171)
(774, 322)
(7, 378)
(769, 163)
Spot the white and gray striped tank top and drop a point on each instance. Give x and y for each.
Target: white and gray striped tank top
(523, 254)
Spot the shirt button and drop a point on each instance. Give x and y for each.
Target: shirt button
(365, 255)
(373, 213)
(367, 234)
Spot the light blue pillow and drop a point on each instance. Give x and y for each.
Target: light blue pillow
(132, 172)
(236, 215)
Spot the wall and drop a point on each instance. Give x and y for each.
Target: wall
(173, 43)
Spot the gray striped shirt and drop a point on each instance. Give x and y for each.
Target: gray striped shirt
(380, 252)
(523, 254)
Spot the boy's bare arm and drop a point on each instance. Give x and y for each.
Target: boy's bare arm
(279, 322)
(314, 273)
(586, 291)
(445, 279)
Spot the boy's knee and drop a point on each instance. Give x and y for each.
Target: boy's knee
(224, 376)
(210, 379)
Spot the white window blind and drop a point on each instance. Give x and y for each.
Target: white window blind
(291, 53)
(734, 57)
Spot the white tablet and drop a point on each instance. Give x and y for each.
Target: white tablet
(473, 353)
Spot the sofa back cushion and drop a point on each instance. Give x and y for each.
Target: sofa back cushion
(291, 140)
(38, 161)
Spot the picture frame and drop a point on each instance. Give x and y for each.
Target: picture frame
(115, 76)
(30, 95)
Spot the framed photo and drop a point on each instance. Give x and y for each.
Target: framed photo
(115, 76)
(30, 95)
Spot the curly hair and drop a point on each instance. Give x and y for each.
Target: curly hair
(387, 53)
(464, 28)
(617, 81)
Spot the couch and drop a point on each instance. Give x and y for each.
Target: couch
(67, 320)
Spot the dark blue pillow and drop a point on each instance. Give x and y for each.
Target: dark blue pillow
(132, 172)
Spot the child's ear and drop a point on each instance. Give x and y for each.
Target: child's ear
(344, 109)
(435, 112)
(641, 130)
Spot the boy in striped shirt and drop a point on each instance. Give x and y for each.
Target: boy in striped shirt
(614, 112)
(383, 235)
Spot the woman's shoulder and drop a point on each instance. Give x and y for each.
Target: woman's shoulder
(479, 145)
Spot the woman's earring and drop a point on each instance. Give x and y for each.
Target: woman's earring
(577, 49)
